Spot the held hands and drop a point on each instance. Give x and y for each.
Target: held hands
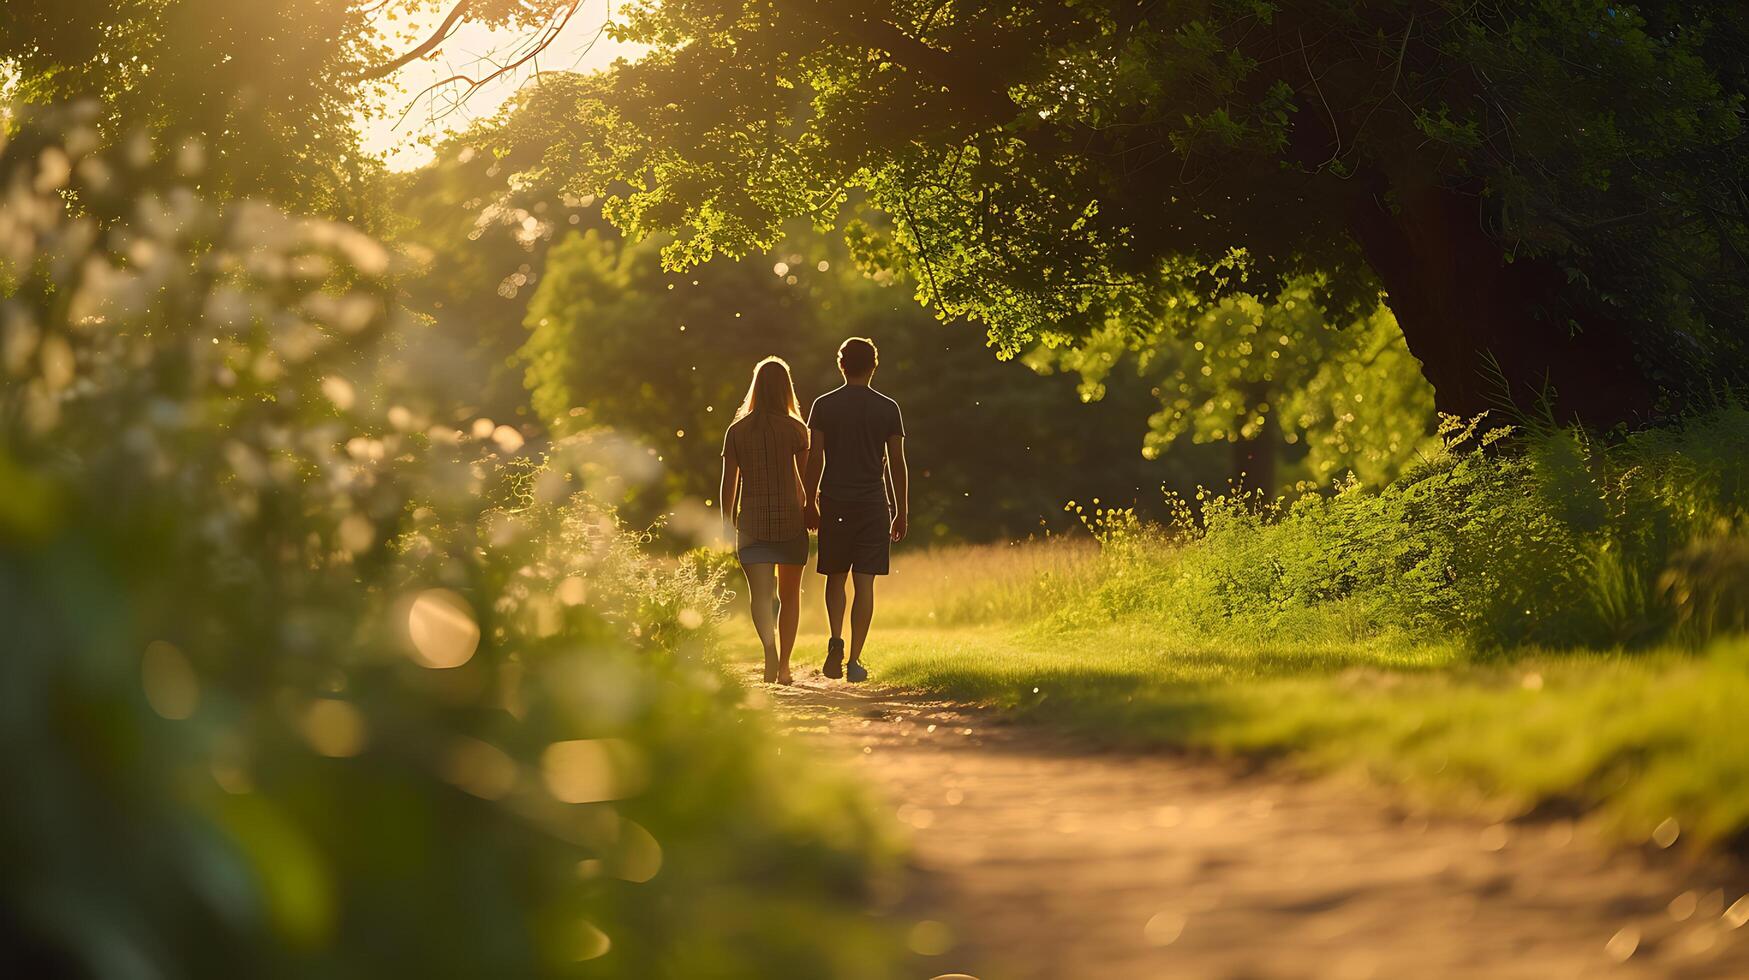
(900, 526)
(811, 515)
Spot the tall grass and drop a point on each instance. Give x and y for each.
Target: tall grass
(1556, 542)
(1517, 624)
(980, 584)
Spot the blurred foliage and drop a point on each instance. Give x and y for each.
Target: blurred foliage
(1552, 540)
(1552, 187)
(1707, 584)
(485, 245)
(298, 675)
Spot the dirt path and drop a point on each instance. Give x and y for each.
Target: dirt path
(1044, 858)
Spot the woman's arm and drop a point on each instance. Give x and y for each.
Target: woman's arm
(801, 464)
(729, 489)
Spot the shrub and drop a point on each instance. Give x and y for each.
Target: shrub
(1550, 539)
(301, 676)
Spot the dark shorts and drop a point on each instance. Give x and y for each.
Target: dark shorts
(854, 538)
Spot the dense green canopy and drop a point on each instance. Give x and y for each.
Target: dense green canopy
(1551, 194)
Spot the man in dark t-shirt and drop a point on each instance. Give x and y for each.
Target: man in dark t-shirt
(861, 506)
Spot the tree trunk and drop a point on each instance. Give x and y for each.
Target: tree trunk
(1492, 333)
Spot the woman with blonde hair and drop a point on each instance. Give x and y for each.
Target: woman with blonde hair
(764, 452)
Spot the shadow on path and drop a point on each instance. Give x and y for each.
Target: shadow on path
(1048, 858)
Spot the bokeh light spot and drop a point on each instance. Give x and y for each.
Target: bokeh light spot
(334, 728)
(1665, 834)
(1163, 929)
(640, 856)
(592, 770)
(573, 590)
(1622, 945)
(929, 938)
(591, 941)
(172, 689)
(442, 629)
(480, 768)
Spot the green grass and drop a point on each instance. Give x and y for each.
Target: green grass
(1638, 739)
(1550, 624)
(1635, 739)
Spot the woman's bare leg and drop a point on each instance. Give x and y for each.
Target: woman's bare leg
(761, 586)
(789, 612)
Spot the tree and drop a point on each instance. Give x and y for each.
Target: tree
(263, 94)
(1551, 194)
(1269, 380)
(485, 248)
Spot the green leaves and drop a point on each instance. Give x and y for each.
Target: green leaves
(1046, 169)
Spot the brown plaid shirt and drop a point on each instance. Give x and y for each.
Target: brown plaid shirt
(765, 447)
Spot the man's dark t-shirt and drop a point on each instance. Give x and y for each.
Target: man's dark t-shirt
(852, 423)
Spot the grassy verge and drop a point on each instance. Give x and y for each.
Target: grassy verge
(1642, 740)
(1552, 626)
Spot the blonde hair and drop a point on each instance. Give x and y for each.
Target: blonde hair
(771, 391)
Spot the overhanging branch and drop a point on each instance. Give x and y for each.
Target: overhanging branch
(425, 47)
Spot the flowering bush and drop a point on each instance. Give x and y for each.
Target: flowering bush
(304, 677)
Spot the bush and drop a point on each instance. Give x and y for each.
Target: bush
(299, 675)
(1550, 540)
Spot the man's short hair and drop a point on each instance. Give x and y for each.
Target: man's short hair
(857, 357)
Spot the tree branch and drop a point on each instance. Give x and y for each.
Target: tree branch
(425, 47)
(540, 42)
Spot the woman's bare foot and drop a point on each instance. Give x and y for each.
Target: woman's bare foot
(771, 673)
(783, 676)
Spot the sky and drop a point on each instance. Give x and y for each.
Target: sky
(394, 126)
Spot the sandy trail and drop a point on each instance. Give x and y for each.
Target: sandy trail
(1049, 858)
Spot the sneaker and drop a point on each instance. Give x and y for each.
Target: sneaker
(834, 658)
(855, 672)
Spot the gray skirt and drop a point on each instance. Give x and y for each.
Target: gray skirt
(791, 552)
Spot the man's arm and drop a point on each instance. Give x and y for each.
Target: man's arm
(811, 481)
(901, 486)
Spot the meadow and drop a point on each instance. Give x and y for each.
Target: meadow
(1411, 634)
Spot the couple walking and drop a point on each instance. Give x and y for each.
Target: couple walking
(841, 473)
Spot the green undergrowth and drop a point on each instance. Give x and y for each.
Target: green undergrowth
(304, 674)
(1545, 540)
